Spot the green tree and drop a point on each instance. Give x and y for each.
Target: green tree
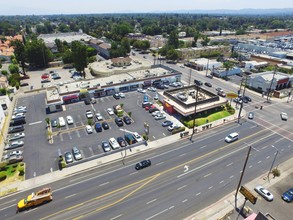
(205, 40)
(125, 44)
(172, 55)
(173, 40)
(91, 51)
(227, 65)
(79, 56)
(13, 68)
(67, 57)
(38, 54)
(20, 54)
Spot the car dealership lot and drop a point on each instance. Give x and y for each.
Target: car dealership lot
(41, 157)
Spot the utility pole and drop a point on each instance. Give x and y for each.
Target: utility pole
(242, 173)
(207, 66)
(269, 91)
(289, 95)
(243, 94)
(195, 104)
(189, 76)
(276, 154)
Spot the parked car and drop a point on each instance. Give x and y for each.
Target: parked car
(208, 84)
(222, 94)
(19, 111)
(18, 115)
(69, 120)
(87, 101)
(93, 100)
(130, 139)
(141, 91)
(121, 94)
(250, 115)
(22, 107)
(116, 96)
(156, 97)
(54, 123)
(106, 146)
(264, 193)
(68, 157)
(105, 125)
(114, 144)
(143, 164)
(127, 120)
(121, 141)
(16, 136)
(89, 129)
(119, 122)
(12, 153)
(198, 82)
(89, 114)
(98, 127)
(152, 89)
(137, 137)
(219, 89)
(147, 108)
(61, 122)
(146, 104)
(288, 195)
(172, 127)
(156, 113)
(76, 153)
(167, 123)
(110, 111)
(284, 116)
(99, 117)
(160, 116)
(151, 110)
(15, 129)
(23, 84)
(14, 144)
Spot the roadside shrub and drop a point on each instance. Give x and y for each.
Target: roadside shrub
(21, 171)
(175, 131)
(129, 113)
(276, 172)
(21, 164)
(3, 166)
(90, 122)
(15, 165)
(3, 175)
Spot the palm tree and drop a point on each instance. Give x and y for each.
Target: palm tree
(227, 65)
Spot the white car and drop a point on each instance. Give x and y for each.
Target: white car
(61, 122)
(172, 127)
(141, 90)
(69, 120)
(121, 94)
(18, 115)
(110, 111)
(114, 144)
(284, 116)
(137, 137)
(20, 108)
(156, 113)
(160, 116)
(16, 136)
(14, 144)
(264, 193)
(89, 114)
(156, 97)
(10, 154)
(99, 117)
(152, 89)
(89, 129)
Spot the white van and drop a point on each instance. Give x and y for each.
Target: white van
(232, 137)
(61, 122)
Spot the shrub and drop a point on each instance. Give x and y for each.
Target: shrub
(21, 171)
(3, 166)
(15, 165)
(276, 172)
(90, 122)
(3, 175)
(129, 113)
(177, 130)
(21, 164)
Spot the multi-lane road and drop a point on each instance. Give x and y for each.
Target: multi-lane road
(166, 190)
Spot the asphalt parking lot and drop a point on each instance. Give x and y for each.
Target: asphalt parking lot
(41, 157)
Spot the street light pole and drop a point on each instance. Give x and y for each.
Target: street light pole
(195, 104)
(268, 96)
(276, 154)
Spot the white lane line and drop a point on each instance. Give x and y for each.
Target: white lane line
(210, 187)
(220, 140)
(185, 200)
(289, 146)
(132, 173)
(207, 175)
(197, 194)
(250, 166)
(203, 147)
(13, 205)
(103, 184)
(182, 155)
(221, 182)
(181, 187)
(2, 203)
(34, 123)
(231, 177)
(282, 149)
(264, 147)
(268, 157)
(70, 196)
(151, 201)
(116, 217)
(278, 140)
(31, 210)
(159, 163)
(229, 164)
(164, 134)
(155, 215)
(259, 161)
(253, 126)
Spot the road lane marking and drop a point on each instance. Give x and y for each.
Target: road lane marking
(264, 147)
(203, 147)
(164, 134)
(278, 140)
(132, 173)
(181, 187)
(182, 155)
(210, 187)
(197, 194)
(151, 201)
(221, 182)
(34, 123)
(259, 161)
(207, 175)
(229, 164)
(220, 140)
(116, 217)
(268, 157)
(231, 177)
(13, 205)
(155, 215)
(185, 200)
(250, 166)
(70, 196)
(159, 163)
(103, 184)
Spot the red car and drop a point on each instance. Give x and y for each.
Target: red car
(148, 107)
(45, 76)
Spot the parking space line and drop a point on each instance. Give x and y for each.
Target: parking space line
(61, 137)
(91, 150)
(78, 134)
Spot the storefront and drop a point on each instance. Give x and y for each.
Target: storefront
(70, 98)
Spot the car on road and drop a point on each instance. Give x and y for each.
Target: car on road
(160, 116)
(105, 125)
(110, 111)
(137, 137)
(93, 100)
(127, 120)
(141, 91)
(89, 114)
(76, 153)
(119, 122)
(209, 76)
(14, 144)
(173, 127)
(114, 144)
(116, 96)
(156, 97)
(247, 98)
(121, 141)
(143, 164)
(238, 100)
(167, 123)
(69, 120)
(198, 82)
(232, 137)
(16, 136)
(121, 94)
(250, 115)
(222, 94)
(284, 116)
(208, 84)
(99, 117)
(288, 195)
(264, 193)
(219, 89)
(106, 147)
(12, 153)
(152, 89)
(68, 157)
(89, 129)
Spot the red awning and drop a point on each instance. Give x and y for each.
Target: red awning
(69, 97)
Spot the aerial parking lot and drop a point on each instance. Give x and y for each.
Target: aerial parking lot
(41, 156)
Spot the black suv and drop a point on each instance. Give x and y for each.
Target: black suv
(119, 122)
(105, 125)
(116, 96)
(143, 164)
(127, 120)
(198, 82)
(87, 101)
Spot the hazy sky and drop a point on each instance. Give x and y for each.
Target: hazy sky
(28, 7)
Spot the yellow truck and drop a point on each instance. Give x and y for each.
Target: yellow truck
(35, 199)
